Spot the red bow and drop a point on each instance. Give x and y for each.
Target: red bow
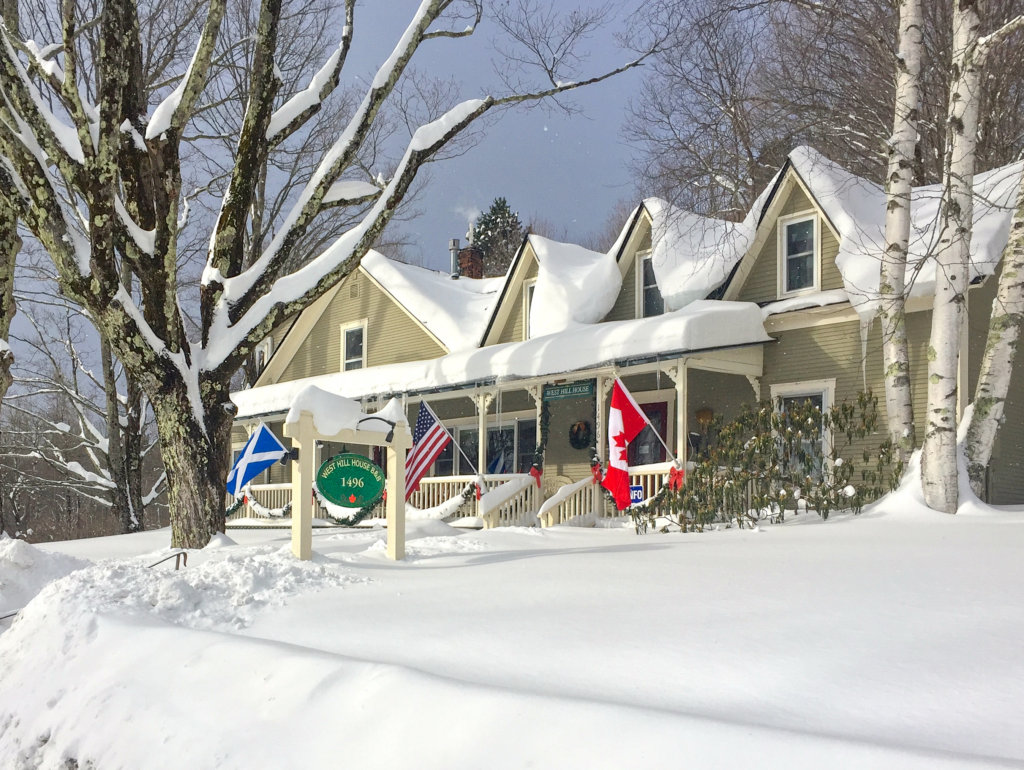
(536, 472)
(479, 492)
(595, 471)
(676, 477)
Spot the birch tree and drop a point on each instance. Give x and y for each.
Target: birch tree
(898, 183)
(100, 186)
(1000, 355)
(939, 452)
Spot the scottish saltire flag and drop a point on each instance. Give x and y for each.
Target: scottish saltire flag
(429, 437)
(499, 464)
(261, 451)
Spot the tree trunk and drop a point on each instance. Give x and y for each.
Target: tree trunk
(939, 455)
(195, 456)
(10, 244)
(892, 286)
(1000, 351)
(133, 441)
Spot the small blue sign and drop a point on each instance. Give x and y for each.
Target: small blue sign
(636, 494)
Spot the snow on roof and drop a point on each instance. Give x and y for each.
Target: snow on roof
(574, 286)
(702, 325)
(856, 208)
(693, 255)
(455, 311)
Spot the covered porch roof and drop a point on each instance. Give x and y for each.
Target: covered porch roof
(699, 327)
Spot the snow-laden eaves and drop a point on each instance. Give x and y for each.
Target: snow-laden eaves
(702, 325)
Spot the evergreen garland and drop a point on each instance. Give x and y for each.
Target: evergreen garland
(545, 423)
(234, 506)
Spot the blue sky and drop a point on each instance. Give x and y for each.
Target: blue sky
(566, 170)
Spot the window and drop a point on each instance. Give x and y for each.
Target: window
(352, 347)
(651, 302)
(798, 246)
(528, 288)
(646, 448)
(819, 394)
(262, 353)
(510, 449)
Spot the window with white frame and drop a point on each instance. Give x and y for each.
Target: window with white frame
(528, 288)
(798, 245)
(262, 353)
(819, 394)
(353, 348)
(650, 301)
(510, 448)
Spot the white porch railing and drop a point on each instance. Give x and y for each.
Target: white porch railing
(513, 503)
(571, 502)
(651, 477)
(268, 496)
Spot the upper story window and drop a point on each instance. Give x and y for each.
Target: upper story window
(651, 301)
(528, 288)
(262, 353)
(353, 350)
(799, 249)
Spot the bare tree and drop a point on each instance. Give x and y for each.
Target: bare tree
(87, 427)
(119, 165)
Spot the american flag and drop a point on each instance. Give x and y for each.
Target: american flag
(429, 437)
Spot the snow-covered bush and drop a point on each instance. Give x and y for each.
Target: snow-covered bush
(779, 457)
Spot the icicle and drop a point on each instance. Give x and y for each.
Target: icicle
(865, 329)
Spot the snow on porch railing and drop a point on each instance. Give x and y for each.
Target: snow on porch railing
(267, 497)
(436, 490)
(570, 503)
(512, 504)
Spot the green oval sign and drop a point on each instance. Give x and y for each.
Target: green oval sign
(350, 480)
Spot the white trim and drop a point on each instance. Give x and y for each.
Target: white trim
(641, 256)
(809, 215)
(262, 354)
(826, 388)
(528, 285)
(347, 327)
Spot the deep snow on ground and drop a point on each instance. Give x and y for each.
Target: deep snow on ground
(891, 639)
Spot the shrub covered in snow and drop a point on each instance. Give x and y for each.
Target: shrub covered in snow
(774, 457)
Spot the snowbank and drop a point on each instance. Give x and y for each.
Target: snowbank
(25, 570)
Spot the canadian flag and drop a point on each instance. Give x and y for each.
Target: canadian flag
(625, 420)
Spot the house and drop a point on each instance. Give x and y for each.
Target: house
(697, 316)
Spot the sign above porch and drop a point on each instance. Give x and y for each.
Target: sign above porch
(350, 480)
(581, 389)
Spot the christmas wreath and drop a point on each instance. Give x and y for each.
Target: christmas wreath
(580, 435)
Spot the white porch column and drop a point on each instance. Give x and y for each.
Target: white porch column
(395, 505)
(682, 412)
(483, 402)
(603, 387)
(303, 438)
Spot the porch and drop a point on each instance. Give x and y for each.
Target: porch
(499, 429)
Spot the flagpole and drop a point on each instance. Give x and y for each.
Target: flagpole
(450, 436)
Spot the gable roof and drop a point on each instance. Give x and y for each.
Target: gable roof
(452, 310)
(574, 285)
(855, 210)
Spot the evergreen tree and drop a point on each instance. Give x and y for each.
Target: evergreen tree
(498, 233)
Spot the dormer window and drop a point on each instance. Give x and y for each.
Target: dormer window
(262, 353)
(651, 301)
(528, 288)
(353, 351)
(798, 242)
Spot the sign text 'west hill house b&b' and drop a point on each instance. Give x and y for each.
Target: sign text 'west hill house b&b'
(350, 480)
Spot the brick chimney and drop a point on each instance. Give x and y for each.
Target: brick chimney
(471, 262)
